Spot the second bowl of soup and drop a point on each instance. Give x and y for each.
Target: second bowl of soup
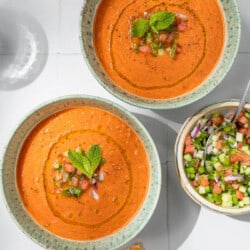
(160, 54)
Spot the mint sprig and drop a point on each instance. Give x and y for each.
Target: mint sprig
(140, 27)
(86, 163)
(161, 20)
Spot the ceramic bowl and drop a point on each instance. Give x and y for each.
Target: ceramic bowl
(24, 220)
(233, 28)
(222, 107)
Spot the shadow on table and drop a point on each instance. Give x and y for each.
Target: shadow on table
(23, 49)
(182, 213)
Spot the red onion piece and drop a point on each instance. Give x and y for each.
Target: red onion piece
(233, 177)
(182, 16)
(196, 130)
(94, 194)
(101, 176)
(93, 181)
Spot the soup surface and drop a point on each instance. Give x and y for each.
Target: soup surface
(119, 193)
(159, 77)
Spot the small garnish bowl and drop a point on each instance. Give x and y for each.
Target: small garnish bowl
(14, 204)
(232, 26)
(221, 107)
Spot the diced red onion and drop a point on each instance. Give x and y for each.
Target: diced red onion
(233, 177)
(94, 194)
(196, 130)
(197, 177)
(182, 16)
(101, 176)
(65, 177)
(207, 125)
(93, 181)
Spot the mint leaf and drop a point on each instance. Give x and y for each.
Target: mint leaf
(139, 27)
(94, 156)
(88, 163)
(161, 20)
(80, 162)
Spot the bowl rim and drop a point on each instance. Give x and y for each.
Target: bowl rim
(142, 216)
(178, 158)
(224, 64)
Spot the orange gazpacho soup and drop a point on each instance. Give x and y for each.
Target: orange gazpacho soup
(83, 173)
(159, 49)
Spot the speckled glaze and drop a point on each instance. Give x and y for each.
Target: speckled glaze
(14, 203)
(186, 128)
(233, 30)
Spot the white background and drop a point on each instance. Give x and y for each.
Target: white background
(177, 223)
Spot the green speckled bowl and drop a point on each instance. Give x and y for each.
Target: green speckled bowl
(233, 30)
(222, 107)
(24, 220)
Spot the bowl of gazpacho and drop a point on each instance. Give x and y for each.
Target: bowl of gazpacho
(81, 172)
(159, 54)
(212, 158)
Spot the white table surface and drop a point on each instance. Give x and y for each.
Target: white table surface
(60, 70)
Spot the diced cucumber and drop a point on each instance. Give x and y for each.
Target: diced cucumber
(231, 140)
(247, 171)
(199, 154)
(242, 189)
(247, 115)
(239, 137)
(201, 190)
(191, 163)
(192, 176)
(241, 204)
(243, 169)
(224, 159)
(235, 199)
(190, 170)
(201, 170)
(227, 200)
(57, 166)
(223, 186)
(208, 190)
(209, 168)
(187, 157)
(217, 198)
(210, 197)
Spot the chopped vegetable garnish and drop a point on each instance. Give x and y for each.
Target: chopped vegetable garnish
(76, 171)
(223, 177)
(72, 191)
(157, 33)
